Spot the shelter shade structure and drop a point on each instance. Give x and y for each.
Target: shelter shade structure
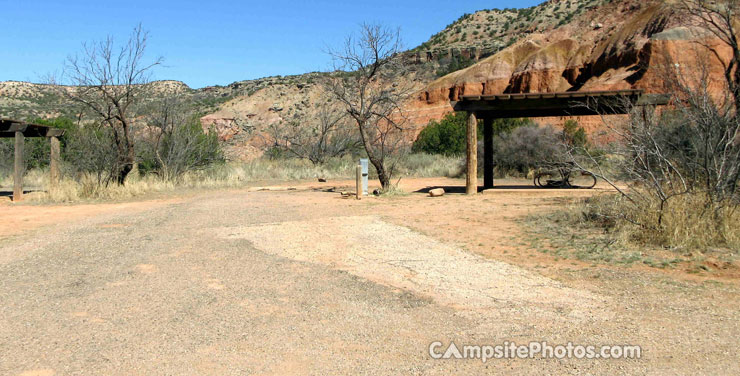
(536, 105)
(19, 130)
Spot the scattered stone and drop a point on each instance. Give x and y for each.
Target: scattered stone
(437, 192)
(271, 189)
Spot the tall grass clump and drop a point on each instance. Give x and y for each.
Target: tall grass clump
(685, 223)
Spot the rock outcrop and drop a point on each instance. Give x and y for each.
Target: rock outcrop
(621, 45)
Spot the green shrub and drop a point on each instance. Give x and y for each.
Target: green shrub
(446, 136)
(574, 135)
(457, 63)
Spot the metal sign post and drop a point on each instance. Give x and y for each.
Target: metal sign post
(364, 165)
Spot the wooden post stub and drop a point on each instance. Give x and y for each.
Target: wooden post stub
(471, 183)
(54, 161)
(358, 185)
(19, 167)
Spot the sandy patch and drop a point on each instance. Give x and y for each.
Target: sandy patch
(146, 268)
(21, 218)
(396, 256)
(38, 372)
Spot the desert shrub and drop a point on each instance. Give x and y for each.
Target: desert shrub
(187, 148)
(681, 168)
(574, 135)
(285, 169)
(90, 150)
(174, 142)
(6, 157)
(525, 148)
(682, 172)
(457, 63)
(689, 222)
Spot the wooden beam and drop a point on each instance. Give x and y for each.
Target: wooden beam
(488, 152)
(12, 127)
(18, 167)
(471, 183)
(9, 127)
(54, 160)
(534, 105)
(53, 132)
(653, 100)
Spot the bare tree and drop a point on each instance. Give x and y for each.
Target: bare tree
(328, 136)
(721, 18)
(365, 83)
(108, 80)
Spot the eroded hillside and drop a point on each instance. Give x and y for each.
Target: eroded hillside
(559, 45)
(620, 45)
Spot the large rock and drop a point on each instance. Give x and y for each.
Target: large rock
(437, 192)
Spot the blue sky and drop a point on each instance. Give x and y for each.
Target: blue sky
(213, 42)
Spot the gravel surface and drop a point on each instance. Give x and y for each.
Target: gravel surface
(306, 283)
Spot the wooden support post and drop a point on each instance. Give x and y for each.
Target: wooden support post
(358, 185)
(488, 152)
(471, 184)
(54, 162)
(19, 167)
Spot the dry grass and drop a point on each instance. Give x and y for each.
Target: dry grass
(86, 187)
(596, 230)
(688, 221)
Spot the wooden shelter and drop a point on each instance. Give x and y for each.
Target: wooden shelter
(20, 130)
(534, 105)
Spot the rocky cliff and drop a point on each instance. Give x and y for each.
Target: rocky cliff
(619, 45)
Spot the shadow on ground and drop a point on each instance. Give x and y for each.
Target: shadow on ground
(5, 193)
(461, 189)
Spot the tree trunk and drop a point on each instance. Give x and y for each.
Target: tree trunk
(378, 163)
(383, 177)
(735, 86)
(127, 156)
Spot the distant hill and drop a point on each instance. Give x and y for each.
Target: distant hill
(559, 45)
(499, 28)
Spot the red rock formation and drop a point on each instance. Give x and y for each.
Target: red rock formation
(634, 48)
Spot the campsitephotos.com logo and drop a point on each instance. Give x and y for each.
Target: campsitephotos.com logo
(533, 350)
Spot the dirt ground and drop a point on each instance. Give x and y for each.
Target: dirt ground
(306, 282)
